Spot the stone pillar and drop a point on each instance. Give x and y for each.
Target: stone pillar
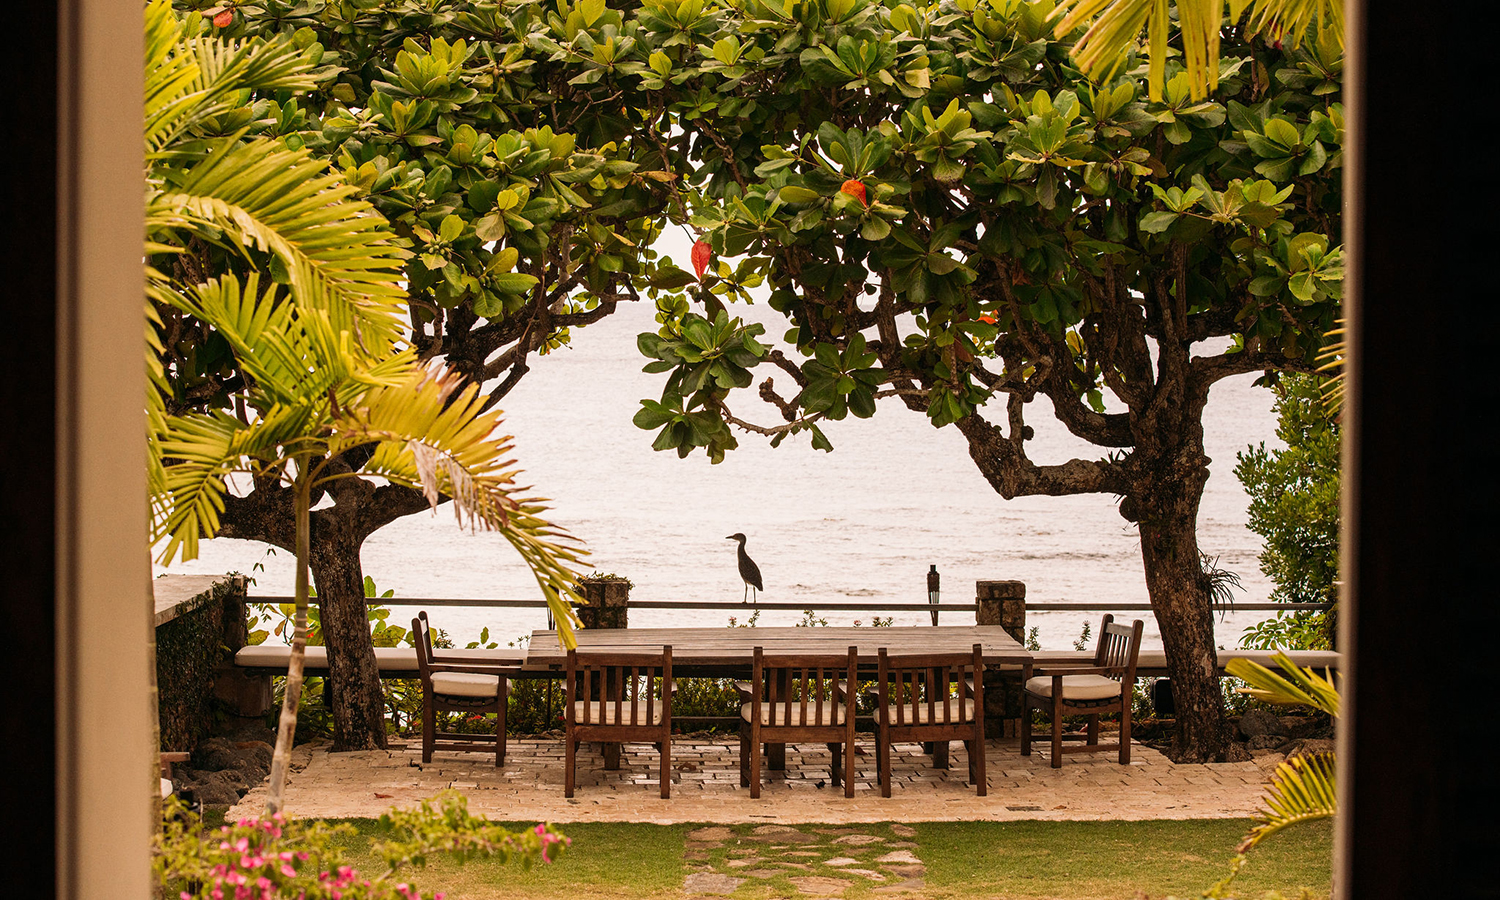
(607, 602)
(1002, 603)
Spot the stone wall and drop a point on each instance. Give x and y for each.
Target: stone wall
(200, 620)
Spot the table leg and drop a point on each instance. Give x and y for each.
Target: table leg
(776, 753)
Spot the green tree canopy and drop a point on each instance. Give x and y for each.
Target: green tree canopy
(1294, 506)
(946, 210)
(949, 212)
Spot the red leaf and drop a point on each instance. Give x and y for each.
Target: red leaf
(856, 189)
(223, 19)
(701, 254)
(380, 796)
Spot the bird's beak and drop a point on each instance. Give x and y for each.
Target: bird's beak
(728, 537)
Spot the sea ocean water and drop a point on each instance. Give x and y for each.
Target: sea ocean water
(862, 523)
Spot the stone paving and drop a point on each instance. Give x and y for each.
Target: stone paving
(705, 786)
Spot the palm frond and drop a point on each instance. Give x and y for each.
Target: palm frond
(1300, 686)
(191, 494)
(1303, 789)
(192, 77)
(447, 445)
(1112, 29)
(1331, 358)
(340, 254)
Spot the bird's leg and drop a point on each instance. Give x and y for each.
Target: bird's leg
(746, 598)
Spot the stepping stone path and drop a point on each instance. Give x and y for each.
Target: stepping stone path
(759, 862)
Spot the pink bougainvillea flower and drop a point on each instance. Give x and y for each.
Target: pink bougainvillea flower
(701, 254)
(856, 189)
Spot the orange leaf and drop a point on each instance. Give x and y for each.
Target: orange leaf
(856, 189)
(701, 254)
(223, 19)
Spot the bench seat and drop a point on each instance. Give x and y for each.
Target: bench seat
(1153, 663)
(393, 662)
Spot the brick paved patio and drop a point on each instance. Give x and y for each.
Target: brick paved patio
(706, 787)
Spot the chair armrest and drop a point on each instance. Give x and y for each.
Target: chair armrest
(746, 690)
(501, 671)
(458, 657)
(1048, 671)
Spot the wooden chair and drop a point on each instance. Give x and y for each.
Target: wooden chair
(936, 697)
(792, 698)
(618, 697)
(454, 682)
(1105, 687)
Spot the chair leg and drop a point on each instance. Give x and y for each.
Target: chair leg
(849, 764)
(744, 755)
(1125, 731)
(500, 726)
(666, 766)
(1025, 725)
(429, 727)
(1093, 732)
(1057, 727)
(570, 759)
(883, 759)
(836, 767)
(754, 763)
(976, 759)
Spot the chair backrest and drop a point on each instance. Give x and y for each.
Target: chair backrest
(627, 683)
(929, 688)
(1119, 647)
(421, 638)
(806, 685)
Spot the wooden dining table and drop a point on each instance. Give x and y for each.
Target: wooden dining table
(728, 652)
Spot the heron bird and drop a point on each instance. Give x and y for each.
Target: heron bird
(748, 569)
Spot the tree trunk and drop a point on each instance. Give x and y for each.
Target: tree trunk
(1183, 607)
(354, 694)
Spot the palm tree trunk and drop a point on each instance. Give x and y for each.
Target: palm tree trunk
(287, 728)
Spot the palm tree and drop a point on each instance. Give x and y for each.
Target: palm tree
(316, 397)
(1114, 29)
(325, 373)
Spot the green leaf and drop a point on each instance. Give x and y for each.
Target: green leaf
(513, 282)
(451, 228)
(795, 194)
(1157, 222)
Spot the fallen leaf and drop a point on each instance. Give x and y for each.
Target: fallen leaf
(380, 796)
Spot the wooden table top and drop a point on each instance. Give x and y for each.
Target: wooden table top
(731, 649)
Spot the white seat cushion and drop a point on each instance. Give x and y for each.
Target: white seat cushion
(916, 714)
(277, 656)
(603, 713)
(1076, 687)
(465, 684)
(775, 713)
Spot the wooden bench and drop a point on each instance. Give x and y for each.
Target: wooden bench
(1153, 663)
(393, 662)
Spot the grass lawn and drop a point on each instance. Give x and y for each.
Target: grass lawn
(1080, 860)
(1020, 860)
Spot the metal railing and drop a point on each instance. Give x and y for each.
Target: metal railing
(885, 606)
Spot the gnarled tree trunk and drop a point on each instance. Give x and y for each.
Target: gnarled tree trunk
(1171, 472)
(1181, 601)
(354, 695)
